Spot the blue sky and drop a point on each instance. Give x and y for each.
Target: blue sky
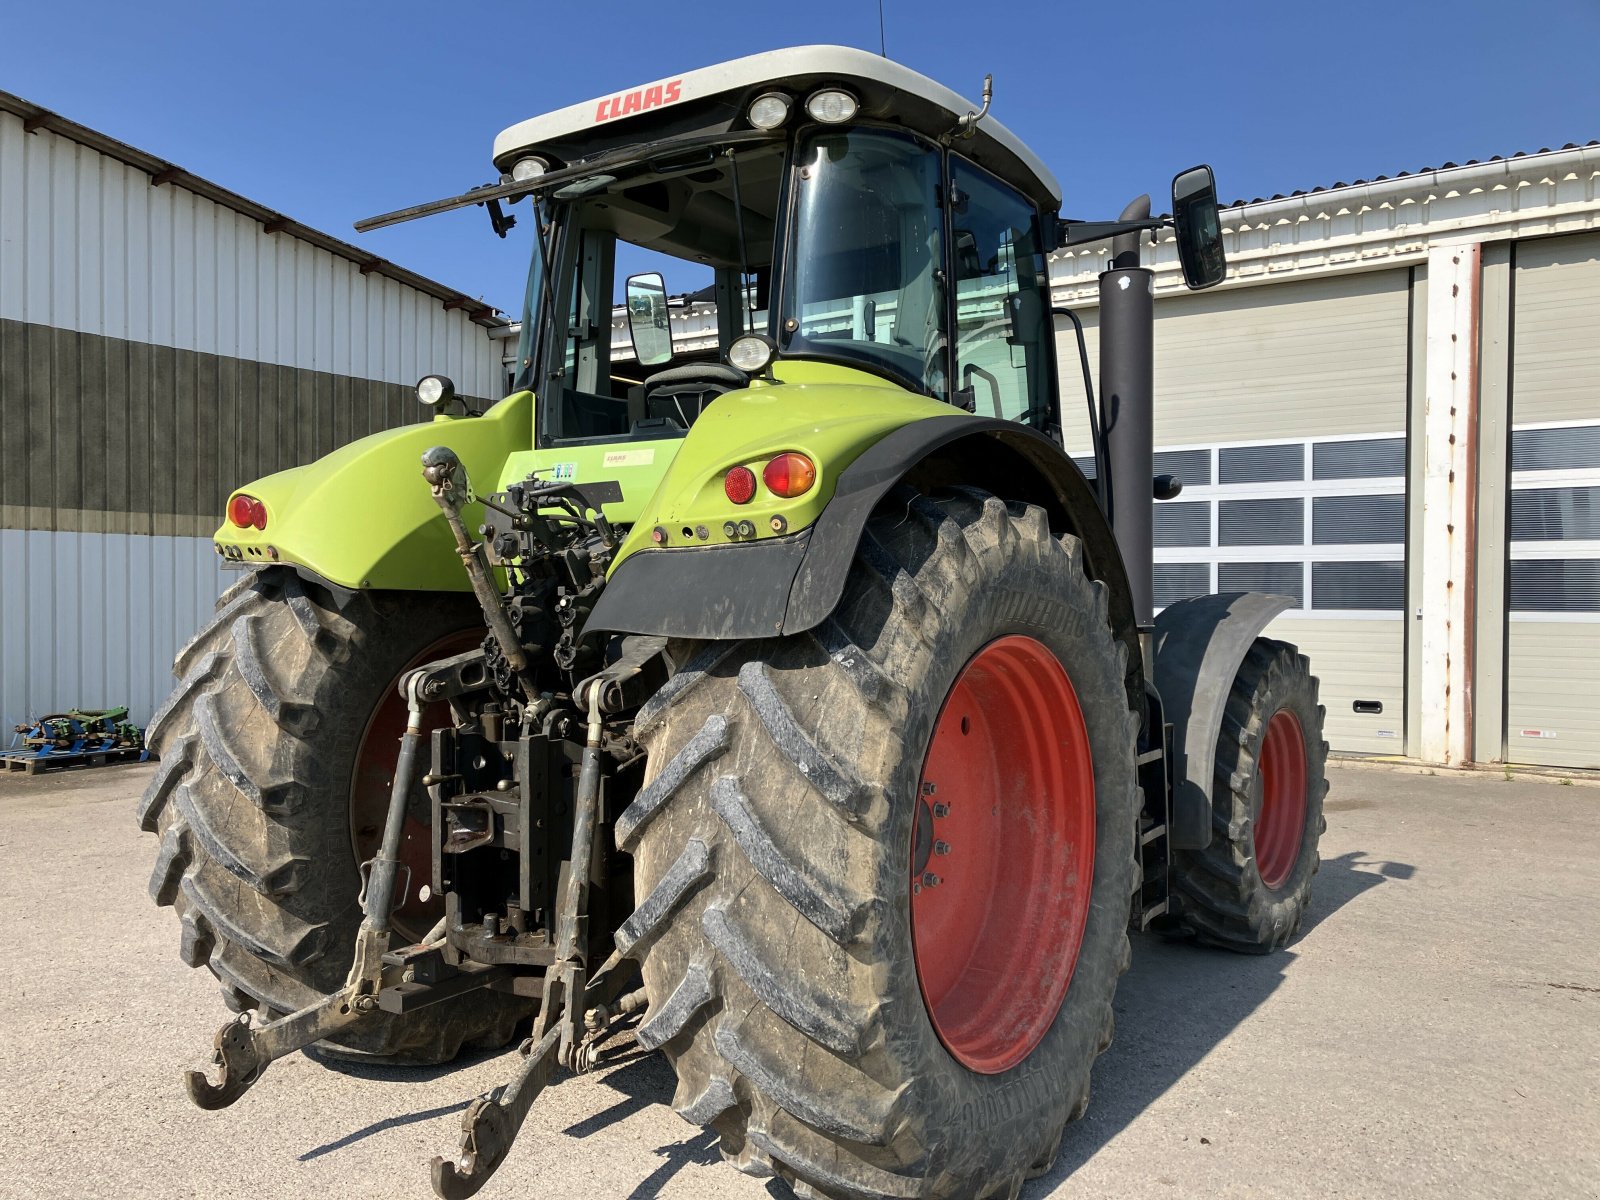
(331, 112)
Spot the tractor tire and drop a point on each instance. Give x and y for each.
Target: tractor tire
(783, 848)
(282, 698)
(1249, 889)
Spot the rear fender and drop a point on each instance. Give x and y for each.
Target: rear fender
(1200, 644)
(789, 586)
(362, 517)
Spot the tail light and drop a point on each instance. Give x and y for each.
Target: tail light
(740, 484)
(789, 475)
(246, 511)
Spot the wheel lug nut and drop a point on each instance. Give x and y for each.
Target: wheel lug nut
(931, 880)
(928, 789)
(941, 810)
(941, 847)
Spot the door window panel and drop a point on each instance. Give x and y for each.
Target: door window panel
(1002, 328)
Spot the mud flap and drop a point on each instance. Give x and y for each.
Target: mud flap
(1199, 646)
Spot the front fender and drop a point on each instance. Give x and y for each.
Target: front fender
(362, 517)
(1200, 644)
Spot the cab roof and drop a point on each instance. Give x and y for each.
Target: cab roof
(714, 99)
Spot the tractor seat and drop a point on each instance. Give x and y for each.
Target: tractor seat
(681, 393)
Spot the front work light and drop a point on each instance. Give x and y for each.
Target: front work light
(525, 169)
(435, 391)
(832, 106)
(750, 353)
(769, 110)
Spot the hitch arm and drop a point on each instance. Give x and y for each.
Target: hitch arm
(243, 1052)
(490, 1125)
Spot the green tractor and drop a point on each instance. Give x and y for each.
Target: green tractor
(777, 679)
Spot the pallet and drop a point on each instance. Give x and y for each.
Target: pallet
(38, 764)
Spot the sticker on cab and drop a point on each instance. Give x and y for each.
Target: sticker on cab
(567, 470)
(630, 458)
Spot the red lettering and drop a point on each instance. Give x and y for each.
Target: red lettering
(628, 103)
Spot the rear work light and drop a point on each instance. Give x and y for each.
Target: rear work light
(790, 474)
(245, 511)
(740, 484)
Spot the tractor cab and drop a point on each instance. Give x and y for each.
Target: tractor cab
(817, 203)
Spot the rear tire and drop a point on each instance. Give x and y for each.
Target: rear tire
(773, 845)
(1249, 889)
(252, 801)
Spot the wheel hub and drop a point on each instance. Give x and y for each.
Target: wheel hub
(1002, 855)
(1280, 821)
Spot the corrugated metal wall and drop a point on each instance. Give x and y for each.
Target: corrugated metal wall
(90, 244)
(157, 349)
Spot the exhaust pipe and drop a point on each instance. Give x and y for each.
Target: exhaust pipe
(1127, 406)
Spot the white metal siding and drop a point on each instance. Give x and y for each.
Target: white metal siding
(1553, 661)
(1283, 362)
(95, 619)
(89, 243)
(1297, 358)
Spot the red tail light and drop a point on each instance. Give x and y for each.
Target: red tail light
(790, 474)
(739, 484)
(245, 511)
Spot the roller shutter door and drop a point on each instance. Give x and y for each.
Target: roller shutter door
(1553, 514)
(1282, 408)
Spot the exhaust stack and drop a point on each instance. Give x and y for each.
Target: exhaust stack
(1127, 405)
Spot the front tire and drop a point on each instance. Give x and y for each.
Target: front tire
(275, 731)
(1249, 889)
(775, 845)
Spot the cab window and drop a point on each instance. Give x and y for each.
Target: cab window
(1004, 347)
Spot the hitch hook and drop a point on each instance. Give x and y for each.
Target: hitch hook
(241, 1066)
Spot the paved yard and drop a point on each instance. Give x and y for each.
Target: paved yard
(1435, 1031)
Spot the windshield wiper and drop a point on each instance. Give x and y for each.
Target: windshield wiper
(518, 188)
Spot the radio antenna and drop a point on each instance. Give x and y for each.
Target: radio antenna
(883, 45)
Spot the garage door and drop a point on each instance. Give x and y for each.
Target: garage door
(1283, 410)
(1553, 626)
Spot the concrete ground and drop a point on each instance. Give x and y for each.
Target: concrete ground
(1435, 1031)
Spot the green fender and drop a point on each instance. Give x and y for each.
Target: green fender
(362, 517)
(680, 575)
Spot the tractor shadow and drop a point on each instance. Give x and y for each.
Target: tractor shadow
(1178, 1001)
(1161, 1034)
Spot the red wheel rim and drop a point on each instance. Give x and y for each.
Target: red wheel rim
(373, 778)
(1280, 823)
(1002, 856)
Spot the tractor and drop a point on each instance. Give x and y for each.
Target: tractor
(784, 687)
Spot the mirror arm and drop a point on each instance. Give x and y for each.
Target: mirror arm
(499, 220)
(1079, 233)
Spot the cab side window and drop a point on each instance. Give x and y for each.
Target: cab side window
(1003, 349)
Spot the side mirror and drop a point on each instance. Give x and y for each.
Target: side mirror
(648, 326)
(1194, 216)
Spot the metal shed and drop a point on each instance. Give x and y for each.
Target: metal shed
(163, 339)
(1391, 413)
